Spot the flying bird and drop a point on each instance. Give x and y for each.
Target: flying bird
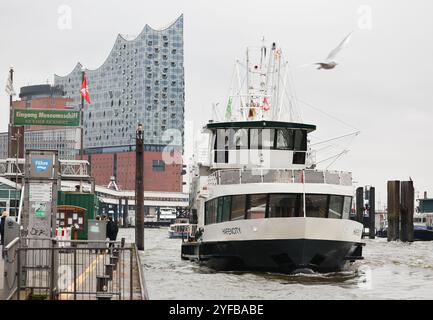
(330, 62)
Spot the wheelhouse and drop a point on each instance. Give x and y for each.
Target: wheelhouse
(240, 144)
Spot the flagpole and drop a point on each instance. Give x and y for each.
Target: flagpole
(81, 118)
(11, 77)
(82, 126)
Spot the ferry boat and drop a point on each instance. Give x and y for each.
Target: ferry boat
(179, 229)
(260, 201)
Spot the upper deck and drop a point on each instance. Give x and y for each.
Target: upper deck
(258, 144)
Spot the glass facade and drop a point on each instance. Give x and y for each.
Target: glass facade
(141, 81)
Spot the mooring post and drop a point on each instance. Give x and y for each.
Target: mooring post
(139, 188)
(407, 205)
(360, 205)
(393, 210)
(372, 216)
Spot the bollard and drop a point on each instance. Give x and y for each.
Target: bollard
(407, 205)
(372, 224)
(102, 283)
(109, 270)
(113, 260)
(393, 210)
(359, 204)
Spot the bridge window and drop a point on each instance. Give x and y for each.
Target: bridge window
(300, 140)
(335, 207)
(238, 207)
(241, 139)
(285, 139)
(256, 208)
(285, 205)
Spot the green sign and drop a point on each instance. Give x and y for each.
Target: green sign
(67, 118)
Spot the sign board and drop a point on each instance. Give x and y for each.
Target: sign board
(41, 165)
(43, 117)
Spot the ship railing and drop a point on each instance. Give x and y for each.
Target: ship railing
(261, 175)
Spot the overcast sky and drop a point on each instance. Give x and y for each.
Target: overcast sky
(383, 85)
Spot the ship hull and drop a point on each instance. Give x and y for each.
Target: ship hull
(286, 256)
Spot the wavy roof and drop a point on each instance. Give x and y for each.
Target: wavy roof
(121, 39)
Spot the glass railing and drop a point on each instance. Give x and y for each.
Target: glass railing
(242, 176)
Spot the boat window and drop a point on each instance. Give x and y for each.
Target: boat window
(316, 205)
(256, 208)
(221, 146)
(238, 207)
(227, 203)
(300, 140)
(284, 205)
(284, 139)
(335, 207)
(241, 139)
(346, 207)
(268, 138)
(220, 202)
(255, 138)
(210, 211)
(299, 158)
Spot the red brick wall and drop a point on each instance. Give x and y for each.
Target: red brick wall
(102, 167)
(169, 180)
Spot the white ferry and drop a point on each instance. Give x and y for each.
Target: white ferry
(260, 201)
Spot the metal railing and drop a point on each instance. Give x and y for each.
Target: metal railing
(260, 175)
(69, 169)
(74, 270)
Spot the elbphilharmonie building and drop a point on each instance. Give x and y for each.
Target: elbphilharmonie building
(141, 81)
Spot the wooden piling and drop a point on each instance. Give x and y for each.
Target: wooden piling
(407, 208)
(372, 216)
(360, 205)
(393, 210)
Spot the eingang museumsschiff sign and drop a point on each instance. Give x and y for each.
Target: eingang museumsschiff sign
(43, 117)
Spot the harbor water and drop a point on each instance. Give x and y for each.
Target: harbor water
(391, 270)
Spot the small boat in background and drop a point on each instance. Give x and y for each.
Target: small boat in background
(180, 229)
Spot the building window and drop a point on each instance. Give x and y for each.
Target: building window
(158, 165)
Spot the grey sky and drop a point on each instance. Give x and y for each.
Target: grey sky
(383, 85)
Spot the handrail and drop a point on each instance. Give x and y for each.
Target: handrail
(21, 204)
(12, 243)
(143, 289)
(271, 175)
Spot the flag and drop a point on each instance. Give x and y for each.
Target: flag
(9, 87)
(265, 106)
(303, 176)
(85, 91)
(229, 109)
(252, 112)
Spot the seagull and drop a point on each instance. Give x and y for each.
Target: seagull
(330, 62)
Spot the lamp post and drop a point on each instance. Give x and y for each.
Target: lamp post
(16, 138)
(139, 188)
